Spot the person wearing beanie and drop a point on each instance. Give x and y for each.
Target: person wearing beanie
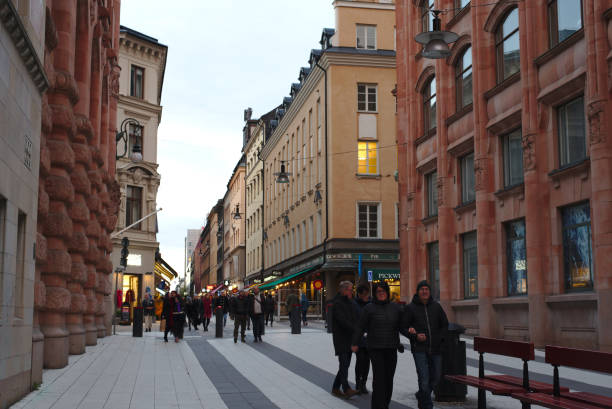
(383, 321)
(428, 325)
(344, 317)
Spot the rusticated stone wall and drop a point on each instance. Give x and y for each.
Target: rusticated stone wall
(78, 195)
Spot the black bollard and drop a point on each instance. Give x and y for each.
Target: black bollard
(295, 321)
(219, 322)
(137, 324)
(329, 316)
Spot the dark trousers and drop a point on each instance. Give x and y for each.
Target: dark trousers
(240, 321)
(344, 361)
(429, 370)
(384, 362)
(270, 317)
(205, 322)
(258, 323)
(362, 365)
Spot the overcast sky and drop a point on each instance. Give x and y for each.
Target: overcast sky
(223, 56)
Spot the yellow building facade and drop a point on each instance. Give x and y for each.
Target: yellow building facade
(336, 219)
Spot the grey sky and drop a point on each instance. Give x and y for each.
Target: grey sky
(223, 56)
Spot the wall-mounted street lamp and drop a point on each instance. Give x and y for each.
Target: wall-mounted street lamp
(317, 196)
(122, 135)
(436, 41)
(283, 175)
(236, 214)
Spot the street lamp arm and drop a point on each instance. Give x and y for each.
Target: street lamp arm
(135, 223)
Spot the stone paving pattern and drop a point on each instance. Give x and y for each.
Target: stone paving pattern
(285, 371)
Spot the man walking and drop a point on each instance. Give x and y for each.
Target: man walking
(269, 309)
(428, 325)
(149, 310)
(344, 322)
(362, 366)
(257, 306)
(240, 310)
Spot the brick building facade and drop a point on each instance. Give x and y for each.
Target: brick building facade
(505, 166)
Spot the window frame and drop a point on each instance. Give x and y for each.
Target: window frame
(566, 274)
(464, 199)
(368, 221)
(459, 80)
(368, 143)
(506, 159)
(553, 23)
(431, 185)
(128, 211)
(500, 39)
(426, 104)
(510, 271)
(133, 71)
(426, 16)
(366, 28)
(367, 92)
(468, 294)
(564, 148)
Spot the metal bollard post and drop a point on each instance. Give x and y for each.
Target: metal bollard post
(453, 363)
(137, 324)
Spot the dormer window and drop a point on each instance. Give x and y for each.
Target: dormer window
(366, 37)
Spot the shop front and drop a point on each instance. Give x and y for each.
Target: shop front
(389, 275)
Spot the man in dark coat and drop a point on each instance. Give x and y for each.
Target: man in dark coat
(428, 325)
(362, 365)
(344, 321)
(256, 310)
(269, 311)
(240, 310)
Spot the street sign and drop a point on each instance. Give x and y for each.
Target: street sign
(370, 276)
(318, 284)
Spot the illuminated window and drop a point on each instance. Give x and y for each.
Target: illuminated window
(577, 251)
(367, 156)
(516, 254)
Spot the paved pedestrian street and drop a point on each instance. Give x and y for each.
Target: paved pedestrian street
(285, 371)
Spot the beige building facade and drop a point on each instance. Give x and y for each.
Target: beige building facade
(234, 237)
(142, 60)
(335, 135)
(21, 86)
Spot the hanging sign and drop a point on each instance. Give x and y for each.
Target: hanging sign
(318, 284)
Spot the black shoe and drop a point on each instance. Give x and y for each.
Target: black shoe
(260, 340)
(235, 340)
(165, 339)
(256, 340)
(242, 339)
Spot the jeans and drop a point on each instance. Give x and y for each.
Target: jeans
(258, 323)
(429, 370)
(344, 361)
(224, 318)
(270, 317)
(384, 362)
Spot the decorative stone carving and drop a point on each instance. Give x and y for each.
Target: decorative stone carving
(66, 84)
(84, 127)
(58, 262)
(114, 78)
(440, 186)
(80, 181)
(47, 117)
(61, 154)
(59, 188)
(529, 154)
(63, 119)
(480, 173)
(79, 243)
(58, 225)
(597, 128)
(78, 273)
(78, 303)
(57, 299)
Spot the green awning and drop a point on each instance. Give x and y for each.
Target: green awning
(379, 274)
(283, 279)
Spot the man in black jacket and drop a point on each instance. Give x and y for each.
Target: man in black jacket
(240, 310)
(344, 320)
(428, 325)
(362, 366)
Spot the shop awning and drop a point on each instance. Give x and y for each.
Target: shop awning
(164, 271)
(252, 286)
(217, 288)
(284, 279)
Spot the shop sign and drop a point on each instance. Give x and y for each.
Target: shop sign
(318, 284)
(384, 274)
(210, 287)
(277, 273)
(268, 278)
(257, 281)
(364, 256)
(306, 265)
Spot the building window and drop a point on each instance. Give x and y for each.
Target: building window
(135, 133)
(516, 255)
(137, 82)
(470, 265)
(133, 208)
(572, 132)
(427, 16)
(367, 158)
(432, 193)
(577, 251)
(460, 4)
(433, 266)
(368, 220)
(20, 266)
(468, 193)
(507, 46)
(366, 97)
(513, 158)
(564, 19)
(366, 37)
(463, 79)
(429, 106)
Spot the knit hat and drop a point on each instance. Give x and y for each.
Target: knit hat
(423, 283)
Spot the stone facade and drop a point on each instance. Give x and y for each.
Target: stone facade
(78, 197)
(233, 228)
(22, 84)
(491, 189)
(139, 98)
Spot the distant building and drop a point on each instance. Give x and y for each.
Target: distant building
(190, 244)
(234, 248)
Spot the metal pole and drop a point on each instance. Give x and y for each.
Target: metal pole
(135, 223)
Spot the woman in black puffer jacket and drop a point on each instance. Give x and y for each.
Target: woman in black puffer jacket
(382, 321)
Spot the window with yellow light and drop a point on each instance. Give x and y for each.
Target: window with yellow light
(367, 156)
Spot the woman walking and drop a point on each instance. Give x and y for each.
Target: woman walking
(382, 321)
(207, 308)
(174, 314)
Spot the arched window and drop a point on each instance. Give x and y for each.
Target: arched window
(507, 46)
(463, 79)
(429, 105)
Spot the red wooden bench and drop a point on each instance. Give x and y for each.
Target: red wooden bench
(502, 384)
(561, 398)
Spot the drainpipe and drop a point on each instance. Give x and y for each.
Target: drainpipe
(263, 203)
